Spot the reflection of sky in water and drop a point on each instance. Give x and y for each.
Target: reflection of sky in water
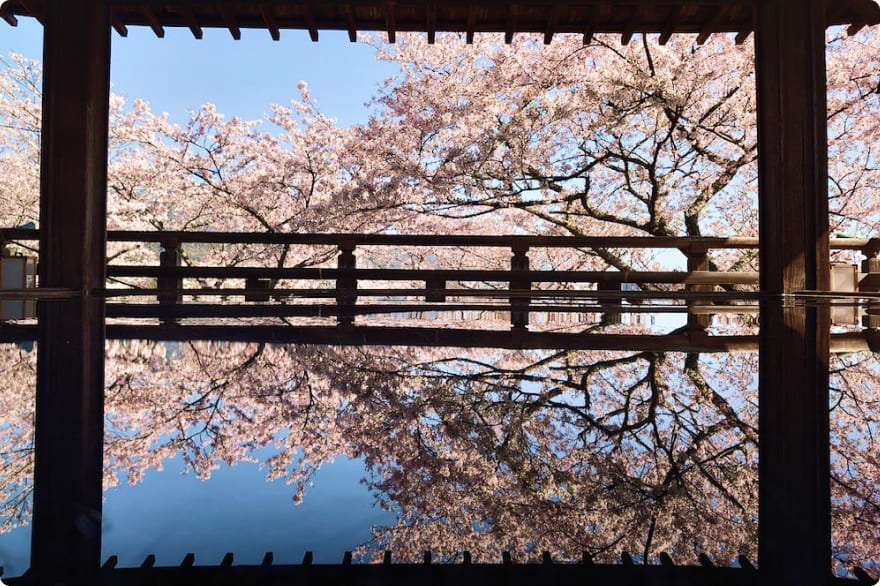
(170, 514)
(238, 510)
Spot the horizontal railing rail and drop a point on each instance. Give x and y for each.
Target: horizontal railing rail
(500, 241)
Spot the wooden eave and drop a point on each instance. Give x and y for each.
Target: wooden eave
(547, 17)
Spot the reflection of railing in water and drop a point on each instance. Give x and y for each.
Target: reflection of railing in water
(679, 341)
(696, 286)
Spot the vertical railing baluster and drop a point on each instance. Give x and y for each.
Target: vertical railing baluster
(346, 287)
(519, 304)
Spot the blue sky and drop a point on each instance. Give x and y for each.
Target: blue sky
(242, 77)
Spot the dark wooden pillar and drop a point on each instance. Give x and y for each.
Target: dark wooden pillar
(66, 543)
(794, 509)
(792, 145)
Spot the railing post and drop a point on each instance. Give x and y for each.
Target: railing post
(519, 304)
(436, 290)
(610, 311)
(346, 287)
(169, 257)
(698, 260)
(258, 290)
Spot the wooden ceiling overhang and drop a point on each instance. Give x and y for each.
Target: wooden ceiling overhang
(547, 17)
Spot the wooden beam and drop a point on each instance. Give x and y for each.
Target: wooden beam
(349, 22)
(120, 28)
(512, 20)
(855, 27)
(8, 16)
(230, 22)
(676, 14)
(311, 25)
(588, 30)
(268, 15)
(191, 22)
(603, 12)
(34, 8)
(630, 26)
(390, 24)
(153, 20)
(552, 23)
(794, 476)
(471, 23)
(68, 467)
(748, 26)
(435, 240)
(712, 25)
(431, 24)
(864, 18)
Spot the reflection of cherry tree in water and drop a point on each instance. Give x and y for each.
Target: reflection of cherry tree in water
(18, 371)
(605, 451)
(482, 450)
(572, 452)
(855, 456)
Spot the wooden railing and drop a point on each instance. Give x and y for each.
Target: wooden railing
(698, 284)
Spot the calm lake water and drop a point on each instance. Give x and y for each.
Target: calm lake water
(252, 447)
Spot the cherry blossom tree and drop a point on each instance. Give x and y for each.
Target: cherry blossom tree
(605, 140)
(20, 116)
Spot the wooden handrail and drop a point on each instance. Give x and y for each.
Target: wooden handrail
(499, 241)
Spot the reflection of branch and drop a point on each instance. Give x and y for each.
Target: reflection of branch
(692, 370)
(864, 499)
(311, 400)
(650, 537)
